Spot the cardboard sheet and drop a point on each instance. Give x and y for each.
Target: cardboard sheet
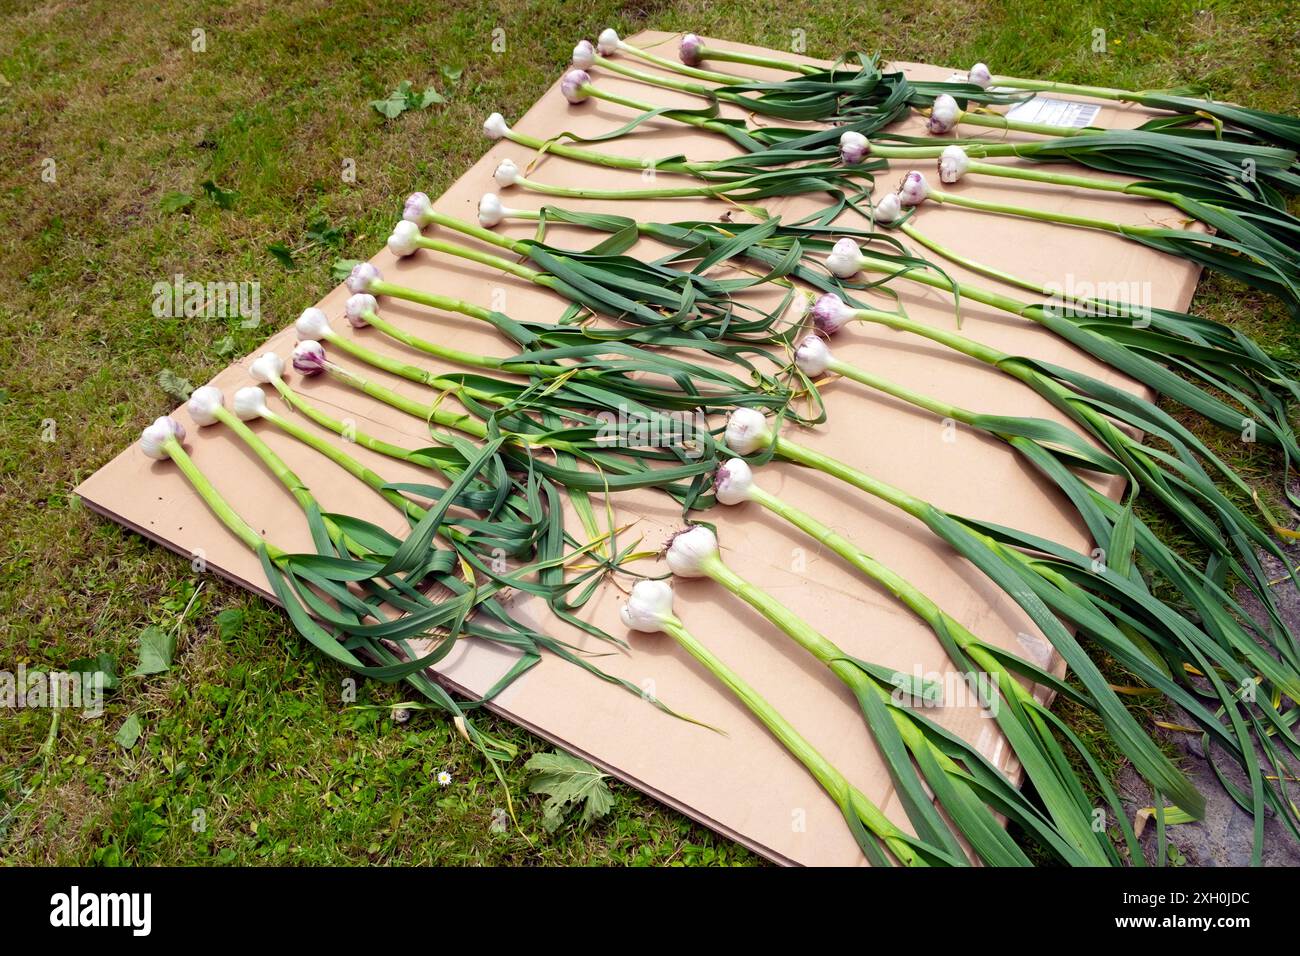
(741, 784)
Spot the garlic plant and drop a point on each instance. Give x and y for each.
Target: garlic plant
(649, 610)
(206, 406)
(577, 87)
(1256, 225)
(608, 283)
(1156, 346)
(586, 57)
(1211, 368)
(1027, 724)
(1159, 347)
(505, 412)
(609, 44)
(496, 525)
(305, 583)
(1239, 121)
(830, 312)
(865, 99)
(918, 755)
(1264, 258)
(1034, 587)
(763, 145)
(496, 128)
(1060, 453)
(738, 189)
(1178, 480)
(945, 114)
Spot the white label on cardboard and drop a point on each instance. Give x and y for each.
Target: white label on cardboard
(1051, 112)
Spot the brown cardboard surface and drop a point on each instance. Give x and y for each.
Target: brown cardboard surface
(742, 784)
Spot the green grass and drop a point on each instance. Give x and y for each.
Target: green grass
(249, 726)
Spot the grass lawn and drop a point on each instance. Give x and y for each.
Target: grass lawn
(109, 121)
